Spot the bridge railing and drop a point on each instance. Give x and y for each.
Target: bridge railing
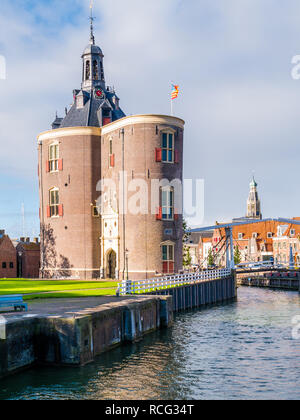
(168, 282)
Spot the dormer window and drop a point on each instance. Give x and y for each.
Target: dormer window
(292, 232)
(254, 235)
(241, 235)
(270, 235)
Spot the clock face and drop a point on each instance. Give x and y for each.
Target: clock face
(98, 93)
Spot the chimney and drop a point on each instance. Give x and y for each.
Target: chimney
(27, 240)
(22, 239)
(36, 240)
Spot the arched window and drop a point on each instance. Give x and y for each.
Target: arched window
(54, 202)
(95, 70)
(101, 70)
(87, 70)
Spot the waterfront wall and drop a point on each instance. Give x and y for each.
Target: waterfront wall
(272, 283)
(201, 294)
(78, 340)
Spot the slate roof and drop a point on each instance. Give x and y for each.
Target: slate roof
(87, 116)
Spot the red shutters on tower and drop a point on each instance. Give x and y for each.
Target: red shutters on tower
(159, 214)
(54, 166)
(60, 210)
(158, 155)
(112, 161)
(60, 164)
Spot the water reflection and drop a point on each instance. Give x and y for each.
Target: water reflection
(242, 350)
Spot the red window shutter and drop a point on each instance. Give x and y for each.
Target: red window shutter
(60, 164)
(176, 215)
(158, 155)
(60, 210)
(171, 267)
(165, 267)
(176, 157)
(47, 166)
(159, 214)
(112, 161)
(48, 211)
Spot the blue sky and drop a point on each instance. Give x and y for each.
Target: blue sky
(231, 58)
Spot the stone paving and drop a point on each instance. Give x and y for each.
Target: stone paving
(65, 307)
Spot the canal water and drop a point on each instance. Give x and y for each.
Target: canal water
(244, 350)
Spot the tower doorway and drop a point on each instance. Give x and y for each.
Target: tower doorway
(111, 264)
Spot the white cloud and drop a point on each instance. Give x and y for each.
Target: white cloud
(230, 57)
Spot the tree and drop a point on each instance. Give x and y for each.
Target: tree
(210, 259)
(237, 255)
(187, 258)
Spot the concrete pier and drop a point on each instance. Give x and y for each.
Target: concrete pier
(272, 283)
(74, 332)
(201, 294)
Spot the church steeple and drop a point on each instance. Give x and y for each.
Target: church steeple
(253, 202)
(93, 70)
(95, 104)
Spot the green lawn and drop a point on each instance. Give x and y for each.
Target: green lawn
(68, 288)
(72, 294)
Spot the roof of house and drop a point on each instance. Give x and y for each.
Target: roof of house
(29, 246)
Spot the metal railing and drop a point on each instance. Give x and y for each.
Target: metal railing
(169, 282)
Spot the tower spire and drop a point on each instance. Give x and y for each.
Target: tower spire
(92, 38)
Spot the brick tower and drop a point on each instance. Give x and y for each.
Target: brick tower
(106, 207)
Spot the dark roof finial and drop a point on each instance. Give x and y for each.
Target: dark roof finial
(92, 38)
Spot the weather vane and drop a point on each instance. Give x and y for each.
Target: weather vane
(92, 20)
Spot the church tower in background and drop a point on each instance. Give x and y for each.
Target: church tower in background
(253, 202)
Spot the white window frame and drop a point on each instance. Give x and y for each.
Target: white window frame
(167, 149)
(53, 160)
(54, 207)
(167, 207)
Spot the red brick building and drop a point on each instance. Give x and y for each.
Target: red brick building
(8, 259)
(96, 142)
(28, 257)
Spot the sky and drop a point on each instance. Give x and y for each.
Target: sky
(231, 59)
